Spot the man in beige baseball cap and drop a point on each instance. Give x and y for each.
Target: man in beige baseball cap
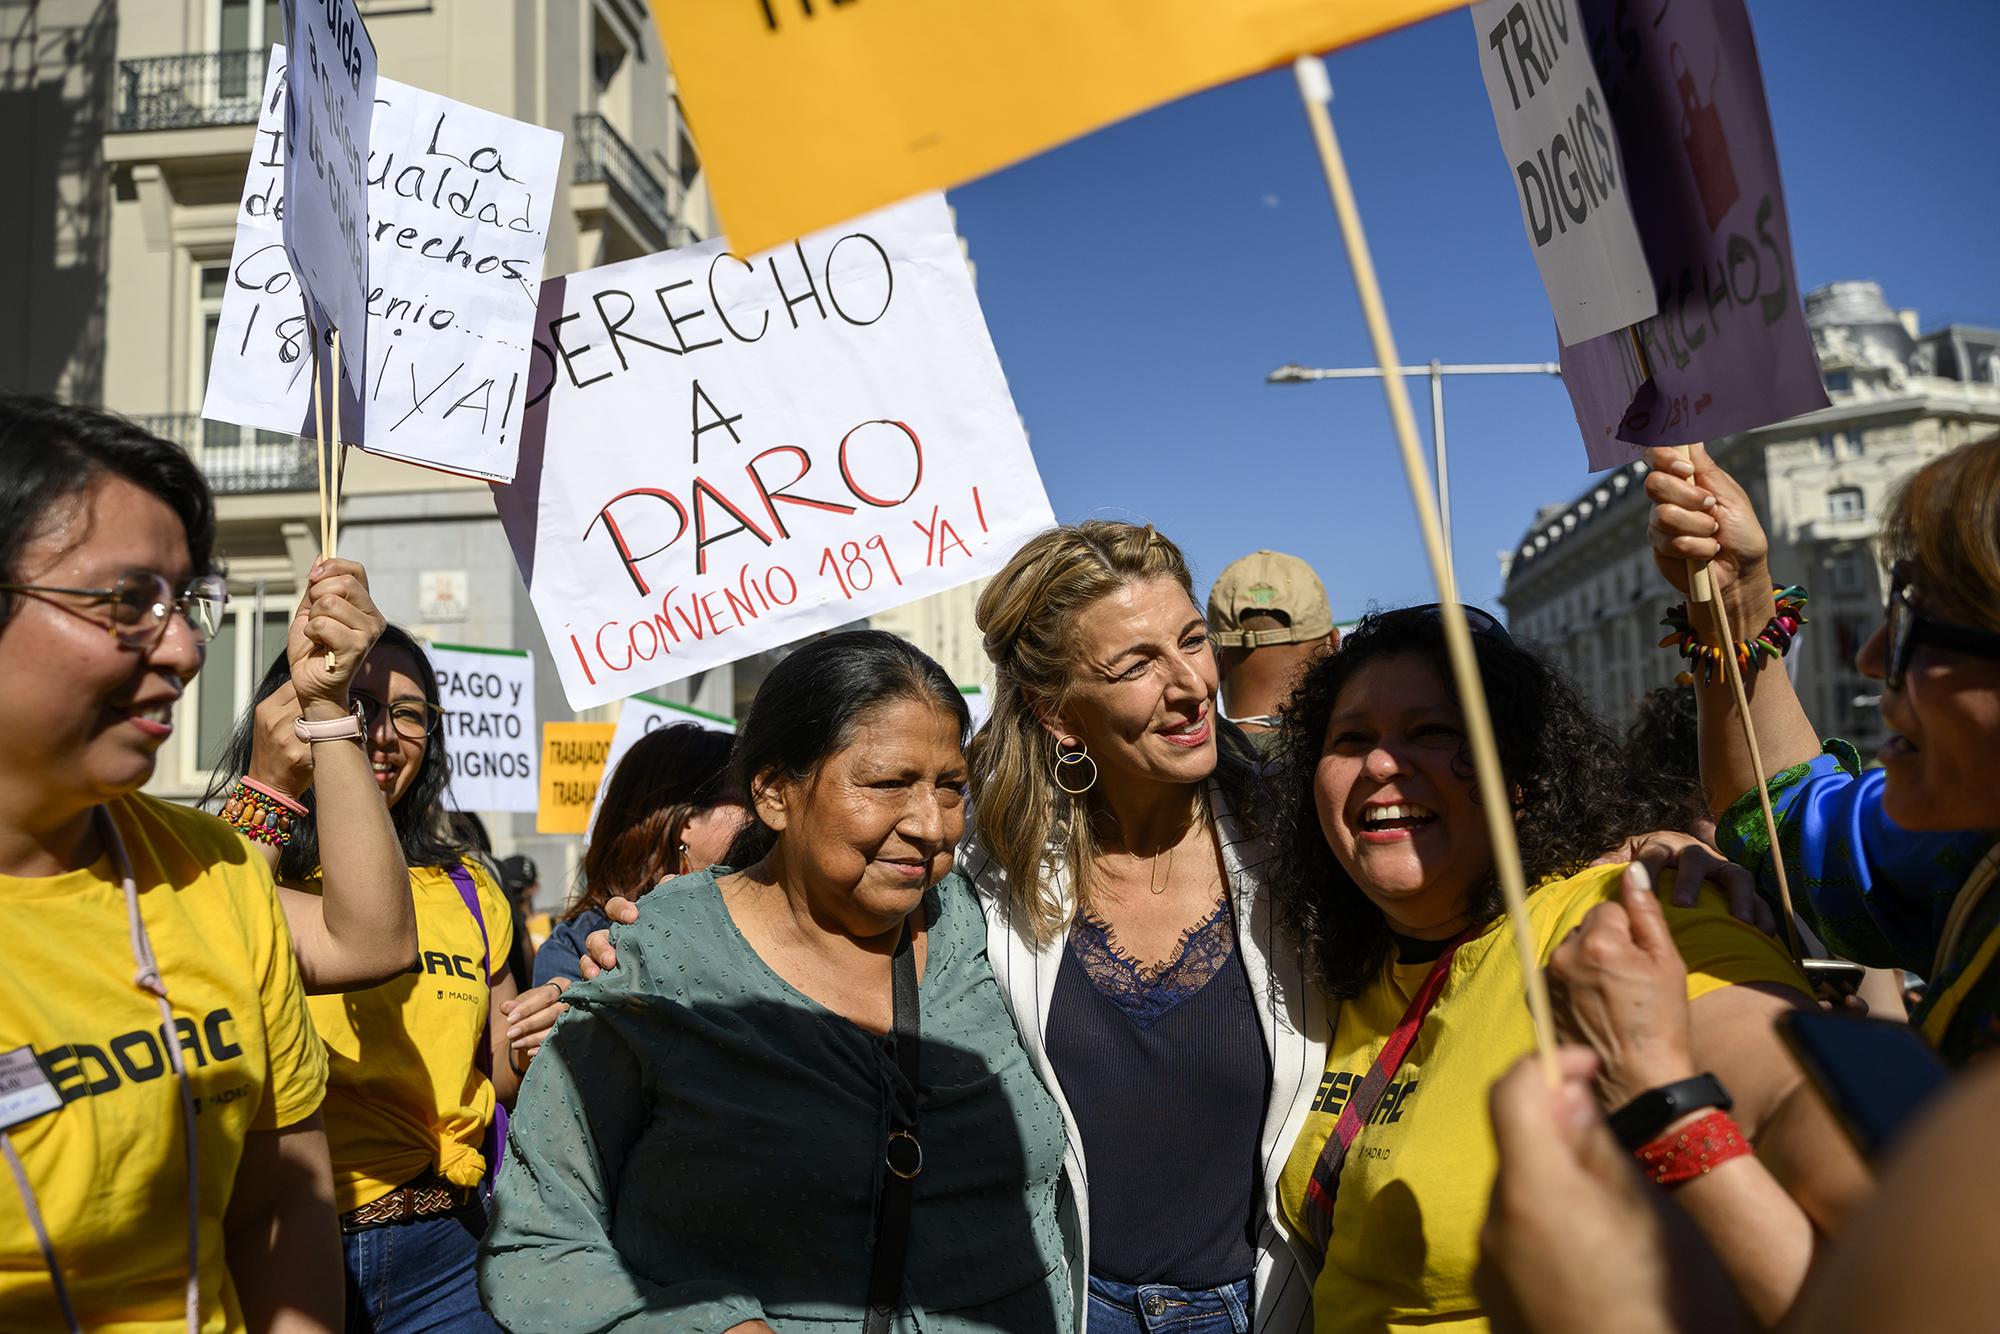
(1268, 616)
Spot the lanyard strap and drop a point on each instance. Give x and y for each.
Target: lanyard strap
(903, 1156)
(1365, 1098)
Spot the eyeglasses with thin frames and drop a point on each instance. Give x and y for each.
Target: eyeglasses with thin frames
(412, 719)
(1909, 627)
(140, 604)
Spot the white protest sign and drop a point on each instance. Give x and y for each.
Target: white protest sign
(490, 736)
(326, 169)
(642, 715)
(459, 203)
(1559, 139)
(723, 455)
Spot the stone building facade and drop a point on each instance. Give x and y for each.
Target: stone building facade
(131, 124)
(1582, 583)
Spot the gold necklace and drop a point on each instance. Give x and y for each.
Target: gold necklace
(1163, 888)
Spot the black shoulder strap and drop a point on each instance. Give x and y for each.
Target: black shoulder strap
(903, 1156)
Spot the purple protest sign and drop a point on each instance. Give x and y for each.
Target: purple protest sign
(1729, 349)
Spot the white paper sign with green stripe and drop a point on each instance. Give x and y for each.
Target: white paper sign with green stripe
(489, 727)
(642, 714)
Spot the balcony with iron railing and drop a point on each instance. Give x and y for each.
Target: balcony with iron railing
(603, 156)
(188, 91)
(236, 459)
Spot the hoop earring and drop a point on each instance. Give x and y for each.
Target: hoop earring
(1070, 759)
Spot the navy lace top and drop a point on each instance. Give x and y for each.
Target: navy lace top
(1167, 1075)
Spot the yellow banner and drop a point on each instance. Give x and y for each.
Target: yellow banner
(573, 757)
(811, 112)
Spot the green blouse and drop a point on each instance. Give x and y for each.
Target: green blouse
(699, 1144)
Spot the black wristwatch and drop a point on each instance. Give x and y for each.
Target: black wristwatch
(1641, 1120)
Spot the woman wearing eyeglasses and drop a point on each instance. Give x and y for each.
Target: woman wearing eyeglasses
(1386, 874)
(418, 1066)
(1894, 867)
(154, 1182)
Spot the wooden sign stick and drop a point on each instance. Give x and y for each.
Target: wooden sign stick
(319, 442)
(1701, 589)
(1316, 90)
(340, 468)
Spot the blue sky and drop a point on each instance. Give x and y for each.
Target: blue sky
(1141, 281)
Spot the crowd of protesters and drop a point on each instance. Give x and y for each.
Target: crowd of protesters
(1179, 995)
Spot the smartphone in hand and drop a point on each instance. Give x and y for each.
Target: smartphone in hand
(1874, 1075)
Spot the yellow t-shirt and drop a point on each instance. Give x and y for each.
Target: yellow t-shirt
(403, 1094)
(107, 1167)
(1416, 1184)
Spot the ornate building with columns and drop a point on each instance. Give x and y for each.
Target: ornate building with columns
(1581, 581)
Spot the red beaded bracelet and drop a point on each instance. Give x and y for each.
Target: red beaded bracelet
(1696, 1149)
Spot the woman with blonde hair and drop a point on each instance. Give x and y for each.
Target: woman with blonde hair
(1131, 931)
(1130, 926)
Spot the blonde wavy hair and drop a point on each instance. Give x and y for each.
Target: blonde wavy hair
(1028, 616)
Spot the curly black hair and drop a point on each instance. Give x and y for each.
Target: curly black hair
(1566, 766)
(1663, 743)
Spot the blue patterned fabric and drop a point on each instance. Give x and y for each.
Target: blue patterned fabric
(1874, 892)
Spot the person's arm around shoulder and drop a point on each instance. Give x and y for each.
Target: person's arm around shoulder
(568, 1149)
(362, 930)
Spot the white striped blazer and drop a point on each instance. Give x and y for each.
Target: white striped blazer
(1292, 1012)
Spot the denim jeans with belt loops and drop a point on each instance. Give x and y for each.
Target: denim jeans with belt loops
(419, 1277)
(1160, 1308)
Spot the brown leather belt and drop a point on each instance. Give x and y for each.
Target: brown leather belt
(429, 1196)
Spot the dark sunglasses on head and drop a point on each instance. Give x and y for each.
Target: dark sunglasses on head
(1909, 627)
(1481, 623)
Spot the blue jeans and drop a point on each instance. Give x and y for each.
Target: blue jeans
(1160, 1308)
(417, 1278)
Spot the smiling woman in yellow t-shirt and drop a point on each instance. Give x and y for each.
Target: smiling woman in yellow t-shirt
(1389, 883)
(160, 1081)
(418, 1065)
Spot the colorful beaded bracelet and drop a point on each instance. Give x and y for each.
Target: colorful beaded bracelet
(1774, 641)
(261, 814)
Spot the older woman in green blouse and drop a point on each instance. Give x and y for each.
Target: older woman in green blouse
(724, 1136)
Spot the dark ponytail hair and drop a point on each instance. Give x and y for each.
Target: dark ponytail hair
(423, 826)
(51, 454)
(815, 701)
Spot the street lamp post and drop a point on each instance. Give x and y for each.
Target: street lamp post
(1293, 373)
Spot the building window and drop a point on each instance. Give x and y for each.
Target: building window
(1852, 441)
(1847, 573)
(1838, 382)
(1826, 449)
(251, 635)
(244, 26)
(1844, 502)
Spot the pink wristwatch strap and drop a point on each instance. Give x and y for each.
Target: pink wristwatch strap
(347, 727)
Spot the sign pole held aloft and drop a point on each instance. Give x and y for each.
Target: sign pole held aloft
(1316, 90)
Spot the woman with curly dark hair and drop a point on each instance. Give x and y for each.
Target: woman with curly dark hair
(1387, 879)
